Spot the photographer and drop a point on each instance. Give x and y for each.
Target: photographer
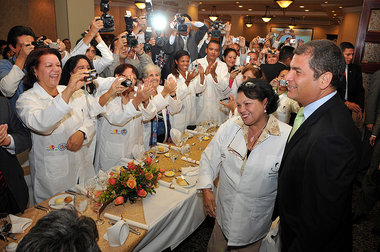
(85, 46)
(11, 70)
(285, 32)
(185, 39)
(124, 54)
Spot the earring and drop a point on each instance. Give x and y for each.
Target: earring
(265, 110)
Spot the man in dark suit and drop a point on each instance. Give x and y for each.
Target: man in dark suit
(14, 139)
(320, 158)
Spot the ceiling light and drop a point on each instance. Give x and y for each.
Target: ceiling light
(266, 18)
(237, 2)
(249, 9)
(240, 6)
(249, 23)
(140, 4)
(284, 4)
(306, 10)
(213, 16)
(301, 6)
(200, 2)
(326, 2)
(292, 23)
(203, 9)
(291, 27)
(333, 11)
(340, 7)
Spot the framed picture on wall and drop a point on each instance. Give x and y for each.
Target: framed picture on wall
(306, 34)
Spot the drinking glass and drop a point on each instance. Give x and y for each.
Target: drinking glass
(174, 156)
(96, 205)
(80, 203)
(90, 185)
(200, 138)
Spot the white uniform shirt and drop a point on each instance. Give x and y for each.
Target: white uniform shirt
(285, 107)
(208, 106)
(187, 115)
(52, 122)
(245, 200)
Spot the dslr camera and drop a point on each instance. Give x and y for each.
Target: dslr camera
(40, 44)
(108, 22)
(131, 39)
(127, 83)
(181, 27)
(148, 35)
(91, 75)
(217, 29)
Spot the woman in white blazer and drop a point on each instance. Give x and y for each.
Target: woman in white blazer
(246, 152)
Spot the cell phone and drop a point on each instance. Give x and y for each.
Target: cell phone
(283, 83)
(195, 66)
(92, 75)
(235, 40)
(261, 40)
(225, 99)
(293, 41)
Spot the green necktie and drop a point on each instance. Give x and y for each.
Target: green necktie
(297, 122)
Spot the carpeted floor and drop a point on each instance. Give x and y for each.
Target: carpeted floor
(364, 239)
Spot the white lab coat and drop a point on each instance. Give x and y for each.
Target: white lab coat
(285, 107)
(52, 122)
(119, 130)
(244, 202)
(161, 104)
(208, 106)
(187, 115)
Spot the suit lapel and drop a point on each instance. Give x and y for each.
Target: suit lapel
(311, 120)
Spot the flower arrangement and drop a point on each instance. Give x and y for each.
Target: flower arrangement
(132, 182)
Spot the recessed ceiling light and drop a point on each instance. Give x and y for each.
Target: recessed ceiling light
(301, 6)
(237, 2)
(203, 9)
(332, 11)
(306, 10)
(326, 2)
(249, 9)
(200, 2)
(240, 6)
(334, 14)
(340, 7)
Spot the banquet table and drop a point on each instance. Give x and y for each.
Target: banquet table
(171, 215)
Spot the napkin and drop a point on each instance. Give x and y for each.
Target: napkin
(190, 171)
(176, 136)
(130, 222)
(81, 189)
(191, 132)
(170, 185)
(117, 234)
(190, 160)
(19, 224)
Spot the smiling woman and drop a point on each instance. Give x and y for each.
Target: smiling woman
(61, 127)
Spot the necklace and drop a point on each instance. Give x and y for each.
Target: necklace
(251, 140)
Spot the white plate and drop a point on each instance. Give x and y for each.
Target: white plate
(192, 181)
(169, 173)
(60, 206)
(166, 149)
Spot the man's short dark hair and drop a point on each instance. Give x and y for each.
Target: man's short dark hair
(61, 230)
(325, 56)
(186, 15)
(18, 31)
(65, 40)
(346, 45)
(213, 41)
(286, 52)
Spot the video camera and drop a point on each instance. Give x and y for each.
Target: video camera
(180, 26)
(108, 22)
(217, 29)
(131, 39)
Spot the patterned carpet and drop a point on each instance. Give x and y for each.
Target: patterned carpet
(364, 239)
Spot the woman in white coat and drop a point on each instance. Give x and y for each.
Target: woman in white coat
(120, 127)
(60, 123)
(165, 100)
(246, 152)
(189, 84)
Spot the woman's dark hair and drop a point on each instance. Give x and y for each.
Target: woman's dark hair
(32, 62)
(69, 68)
(121, 68)
(260, 89)
(228, 50)
(179, 54)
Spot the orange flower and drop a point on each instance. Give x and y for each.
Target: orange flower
(119, 200)
(131, 183)
(162, 170)
(148, 160)
(159, 175)
(149, 176)
(97, 194)
(112, 181)
(141, 193)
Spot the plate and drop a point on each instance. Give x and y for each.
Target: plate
(164, 149)
(169, 173)
(60, 206)
(192, 181)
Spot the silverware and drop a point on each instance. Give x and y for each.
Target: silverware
(132, 229)
(45, 209)
(185, 180)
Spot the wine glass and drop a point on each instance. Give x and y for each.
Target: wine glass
(90, 185)
(174, 156)
(96, 205)
(80, 203)
(5, 225)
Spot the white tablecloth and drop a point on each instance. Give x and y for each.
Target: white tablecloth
(172, 216)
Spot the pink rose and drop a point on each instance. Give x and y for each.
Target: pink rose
(162, 170)
(112, 181)
(141, 193)
(149, 176)
(131, 183)
(148, 160)
(119, 200)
